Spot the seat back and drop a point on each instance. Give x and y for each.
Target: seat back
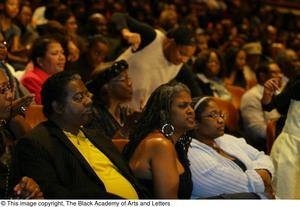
(271, 134)
(34, 115)
(231, 113)
(120, 143)
(237, 93)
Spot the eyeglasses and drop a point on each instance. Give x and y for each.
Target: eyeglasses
(215, 116)
(4, 89)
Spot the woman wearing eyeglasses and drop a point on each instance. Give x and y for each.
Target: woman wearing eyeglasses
(221, 163)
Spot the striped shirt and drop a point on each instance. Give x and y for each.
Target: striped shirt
(213, 174)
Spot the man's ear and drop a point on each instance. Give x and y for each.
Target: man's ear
(58, 107)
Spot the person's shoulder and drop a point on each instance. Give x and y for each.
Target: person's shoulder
(250, 95)
(30, 75)
(228, 139)
(198, 149)
(35, 134)
(157, 143)
(38, 131)
(252, 90)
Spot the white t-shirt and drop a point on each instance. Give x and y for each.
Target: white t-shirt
(148, 69)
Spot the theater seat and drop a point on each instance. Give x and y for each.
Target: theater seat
(34, 115)
(120, 143)
(237, 93)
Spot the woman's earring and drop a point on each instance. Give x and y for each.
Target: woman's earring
(168, 130)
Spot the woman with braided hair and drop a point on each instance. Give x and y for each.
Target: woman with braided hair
(156, 151)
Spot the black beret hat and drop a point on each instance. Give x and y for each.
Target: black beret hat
(106, 75)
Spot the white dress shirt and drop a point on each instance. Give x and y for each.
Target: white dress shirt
(213, 174)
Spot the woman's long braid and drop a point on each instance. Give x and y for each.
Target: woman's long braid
(148, 122)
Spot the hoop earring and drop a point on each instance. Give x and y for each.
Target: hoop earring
(168, 130)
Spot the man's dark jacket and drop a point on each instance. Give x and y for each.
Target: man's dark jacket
(48, 156)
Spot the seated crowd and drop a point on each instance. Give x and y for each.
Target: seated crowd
(190, 87)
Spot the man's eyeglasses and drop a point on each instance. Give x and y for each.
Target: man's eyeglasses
(215, 116)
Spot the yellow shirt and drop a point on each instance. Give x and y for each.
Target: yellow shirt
(107, 172)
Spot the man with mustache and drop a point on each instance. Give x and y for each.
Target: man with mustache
(67, 160)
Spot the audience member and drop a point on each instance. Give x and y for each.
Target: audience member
(9, 110)
(209, 70)
(154, 58)
(222, 163)
(156, 150)
(112, 89)
(95, 55)
(84, 163)
(254, 118)
(10, 115)
(23, 21)
(289, 62)
(48, 58)
(202, 42)
(285, 150)
(67, 19)
(13, 126)
(254, 52)
(11, 33)
(235, 61)
(97, 24)
(18, 89)
(168, 20)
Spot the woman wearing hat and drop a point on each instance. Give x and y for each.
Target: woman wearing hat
(112, 89)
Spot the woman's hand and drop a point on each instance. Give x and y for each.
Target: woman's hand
(27, 188)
